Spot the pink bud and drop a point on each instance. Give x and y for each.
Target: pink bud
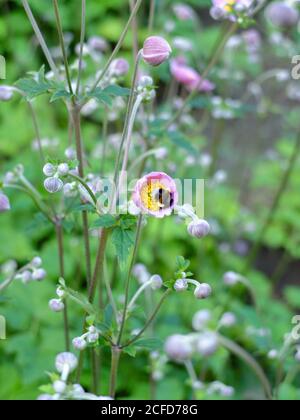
(156, 50)
(203, 291)
(4, 203)
(120, 67)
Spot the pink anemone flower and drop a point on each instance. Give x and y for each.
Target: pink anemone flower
(156, 194)
(189, 77)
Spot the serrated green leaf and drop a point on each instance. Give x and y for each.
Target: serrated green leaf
(149, 343)
(123, 241)
(105, 221)
(115, 90)
(60, 94)
(130, 350)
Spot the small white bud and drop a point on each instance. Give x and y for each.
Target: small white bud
(56, 305)
(53, 185)
(181, 285)
(200, 319)
(60, 292)
(228, 320)
(178, 348)
(26, 276)
(64, 359)
(207, 344)
(273, 354)
(39, 274)
(156, 282)
(63, 169)
(36, 262)
(70, 153)
(79, 343)
(146, 81)
(49, 169)
(231, 278)
(93, 338)
(59, 386)
(199, 228)
(203, 291)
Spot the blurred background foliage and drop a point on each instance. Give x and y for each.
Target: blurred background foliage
(35, 334)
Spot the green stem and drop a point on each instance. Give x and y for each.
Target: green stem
(115, 359)
(86, 187)
(98, 271)
(150, 320)
(82, 37)
(62, 45)
(275, 204)
(119, 44)
(40, 38)
(128, 278)
(250, 361)
(151, 15)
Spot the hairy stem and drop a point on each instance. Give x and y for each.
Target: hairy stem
(115, 359)
(82, 37)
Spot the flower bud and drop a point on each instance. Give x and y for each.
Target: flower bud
(53, 185)
(203, 291)
(184, 12)
(59, 387)
(199, 228)
(120, 67)
(70, 153)
(49, 169)
(4, 203)
(36, 262)
(156, 282)
(26, 276)
(63, 169)
(178, 348)
(207, 344)
(6, 93)
(200, 319)
(60, 292)
(56, 305)
(156, 50)
(228, 320)
(92, 338)
(181, 285)
(66, 359)
(39, 274)
(79, 343)
(273, 354)
(146, 82)
(161, 153)
(282, 14)
(231, 278)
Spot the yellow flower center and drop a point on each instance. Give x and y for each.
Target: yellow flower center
(229, 6)
(155, 196)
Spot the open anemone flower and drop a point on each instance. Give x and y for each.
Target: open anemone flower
(156, 194)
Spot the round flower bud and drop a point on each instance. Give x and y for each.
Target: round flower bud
(39, 274)
(199, 228)
(217, 13)
(273, 354)
(231, 279)
(70, 153)
(53, 185)
(207, 344)
(6, 93)
(161, 153)
(26, 276)
(97, 43)
(146, 81)
(178, 348)
(184, 12)
(56, 305)
(49, 169)
(203, 291)
(60, 292)
(79, 343)
(200, 319)
(156, 50)
(63, 169)
(282, 14)
(36, 262)
(59, 387)
(120, 67)
(93, 338)
(156, 282)
(4, 203)
(64, 359)
(228, 320)
(181, 285)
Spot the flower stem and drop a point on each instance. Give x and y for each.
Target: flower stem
(60, 245)
(119, 44)
(251, 362)
(62, 45)
(275, 204)
(36, 129)
(82, 37)
(127, 284)
(40, 38)
(115, 359)
(150, 320)
(86, 187)
(151, 15)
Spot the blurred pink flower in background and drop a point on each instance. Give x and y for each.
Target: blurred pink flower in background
(189, 77)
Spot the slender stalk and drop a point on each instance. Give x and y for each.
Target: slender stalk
(128, 278)
(36, 129)
(82, 37)
(119, 44)
(60, 245)
(275, 204)
(151, 15)
(115, 359)
(150, 320)
(138, 294)
(134, 27)
(62, 45)
(104, 141)
(251, 362)
(75, 112)
(98, 271)
(40, 38)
